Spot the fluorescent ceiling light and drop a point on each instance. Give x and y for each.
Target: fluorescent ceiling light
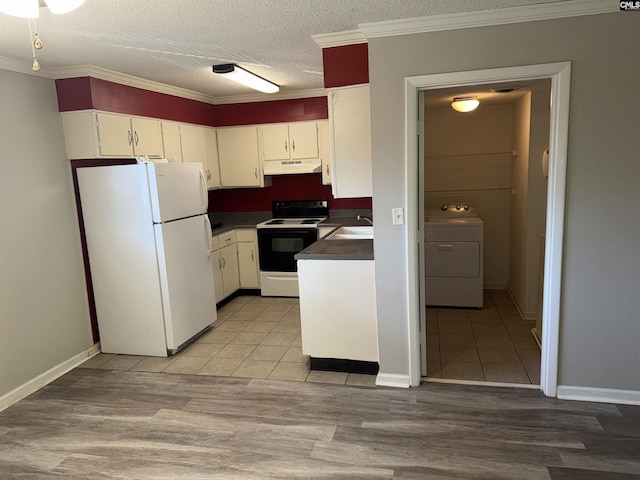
(244, 77)
(31, 8)
(465, 104)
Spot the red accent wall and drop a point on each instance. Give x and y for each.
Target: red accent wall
(283, 187)
(346, 65)
(87, 92)
(294, 110)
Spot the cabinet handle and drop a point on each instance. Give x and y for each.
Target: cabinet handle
(130, 136)
(286, 147)
(137, 138)
(252, 258)
(293, 145)
(255, 172)
(224, 262)
(219, 263)
(445, 246)
(327, 169)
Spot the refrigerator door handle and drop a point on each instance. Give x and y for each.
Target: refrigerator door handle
(208, 238)
(205, 195)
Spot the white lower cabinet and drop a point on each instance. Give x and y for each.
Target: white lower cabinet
(338, 309)
(224, 254)
(248, 258)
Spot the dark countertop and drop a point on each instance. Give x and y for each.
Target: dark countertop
(320, 250)
(338, 250)
(232, 220)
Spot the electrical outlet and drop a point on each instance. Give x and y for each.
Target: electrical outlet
(398, 216)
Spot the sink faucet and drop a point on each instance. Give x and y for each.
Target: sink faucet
(364, 217)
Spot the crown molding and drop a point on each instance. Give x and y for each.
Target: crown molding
(20, 66)
(129, 80)
(338, 39)
(485, 18)
(261, 97)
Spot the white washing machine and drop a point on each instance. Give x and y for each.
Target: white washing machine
(453, 256)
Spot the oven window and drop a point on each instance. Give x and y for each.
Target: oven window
(287, 245)
(278, 246)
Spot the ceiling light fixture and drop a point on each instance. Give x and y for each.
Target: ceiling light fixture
(465, 104)
(246, 78)
(31, 8)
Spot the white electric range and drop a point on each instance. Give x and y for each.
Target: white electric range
(293, 228)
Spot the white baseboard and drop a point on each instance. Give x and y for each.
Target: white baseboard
(593, 394)
(50, 375)
(393, 380)
(524, 314)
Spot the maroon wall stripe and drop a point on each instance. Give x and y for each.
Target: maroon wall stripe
(74, 94)
(293, 110)
(346, 65)
(283, 187)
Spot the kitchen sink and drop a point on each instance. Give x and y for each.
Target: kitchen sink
(352, 233)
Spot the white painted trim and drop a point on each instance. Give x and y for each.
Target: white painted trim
(338, 39)
(480, 384)
(604, 395)
(137, 82)
(485, 18)
(525, 315)
(393, 380)
(559, 127)
(50, 375)
(20, 66)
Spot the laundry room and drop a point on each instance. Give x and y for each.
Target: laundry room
(486, 166)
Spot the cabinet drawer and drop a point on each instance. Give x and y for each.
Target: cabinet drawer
(228, 238)
(452, 259)
(246, 235)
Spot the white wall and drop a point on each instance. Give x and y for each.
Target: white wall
(520, 188)
(44, 317)
(600, 331)
(468, 160)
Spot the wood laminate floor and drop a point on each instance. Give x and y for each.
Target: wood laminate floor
(114, 424)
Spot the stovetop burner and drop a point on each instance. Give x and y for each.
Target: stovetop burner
(296, 213)
(277, 221)
(310, 220)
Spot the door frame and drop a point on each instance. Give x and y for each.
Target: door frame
(560, 75)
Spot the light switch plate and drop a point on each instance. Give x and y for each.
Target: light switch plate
(398, 216)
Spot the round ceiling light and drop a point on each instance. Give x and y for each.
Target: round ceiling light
(465, 104)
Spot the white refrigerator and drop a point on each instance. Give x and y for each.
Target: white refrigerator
(149, 246)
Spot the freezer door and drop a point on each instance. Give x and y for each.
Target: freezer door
(178, 190)
(186, 278)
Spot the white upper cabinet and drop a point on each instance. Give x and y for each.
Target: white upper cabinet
(171, 141)
(239, 157)
(213, 164)
(289, 141)
(90, 134)
(350, 123)
(324, 144)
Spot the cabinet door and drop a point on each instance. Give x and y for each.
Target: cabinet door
(303, 137)
(194, 144)
(248, 264)
(230, 273)
(275, 141)
(171, 140)
(349, 115)
(114, 135)
(147, 137)
(213, 164)
(216, 263)
(239, 158)
(324, 145)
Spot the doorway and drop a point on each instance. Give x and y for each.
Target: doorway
(559, 73)
(488, 162)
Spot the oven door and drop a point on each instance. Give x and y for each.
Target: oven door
(277, 247)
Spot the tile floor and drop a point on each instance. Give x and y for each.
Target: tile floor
(492, 344)
(254, 337)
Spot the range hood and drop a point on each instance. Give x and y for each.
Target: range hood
(284, 167)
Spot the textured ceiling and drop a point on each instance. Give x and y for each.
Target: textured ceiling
(176, 42)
